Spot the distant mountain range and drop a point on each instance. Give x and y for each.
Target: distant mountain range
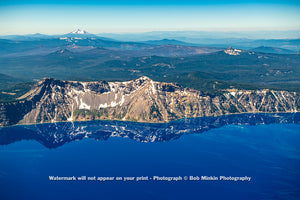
(241, 40)
(198, 35)
(264, 49)
(79, 33)
(168, 41)
(12, 48)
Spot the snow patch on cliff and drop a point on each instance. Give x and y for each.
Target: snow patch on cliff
(84, 105)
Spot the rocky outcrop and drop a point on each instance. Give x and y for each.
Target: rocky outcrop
(142, 100)
(231, 51)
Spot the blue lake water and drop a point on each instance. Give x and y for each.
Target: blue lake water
(263, 147)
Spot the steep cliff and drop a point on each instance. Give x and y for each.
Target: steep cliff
(142, 100)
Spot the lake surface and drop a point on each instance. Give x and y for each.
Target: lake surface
(263, 147)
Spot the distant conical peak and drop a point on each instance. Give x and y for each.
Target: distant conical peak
(79, 31)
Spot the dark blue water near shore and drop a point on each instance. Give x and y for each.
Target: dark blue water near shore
(269, 154)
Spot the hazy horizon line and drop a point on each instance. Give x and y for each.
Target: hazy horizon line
(155, 31)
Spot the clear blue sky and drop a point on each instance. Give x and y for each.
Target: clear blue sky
(62, 16)
(148, 2)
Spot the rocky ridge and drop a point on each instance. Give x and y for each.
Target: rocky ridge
(142, 100)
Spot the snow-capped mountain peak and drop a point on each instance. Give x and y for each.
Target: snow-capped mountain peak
(79, 31)
(232, 51)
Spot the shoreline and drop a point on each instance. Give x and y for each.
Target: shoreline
(145, 122)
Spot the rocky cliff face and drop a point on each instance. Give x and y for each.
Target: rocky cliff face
(142, 100)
